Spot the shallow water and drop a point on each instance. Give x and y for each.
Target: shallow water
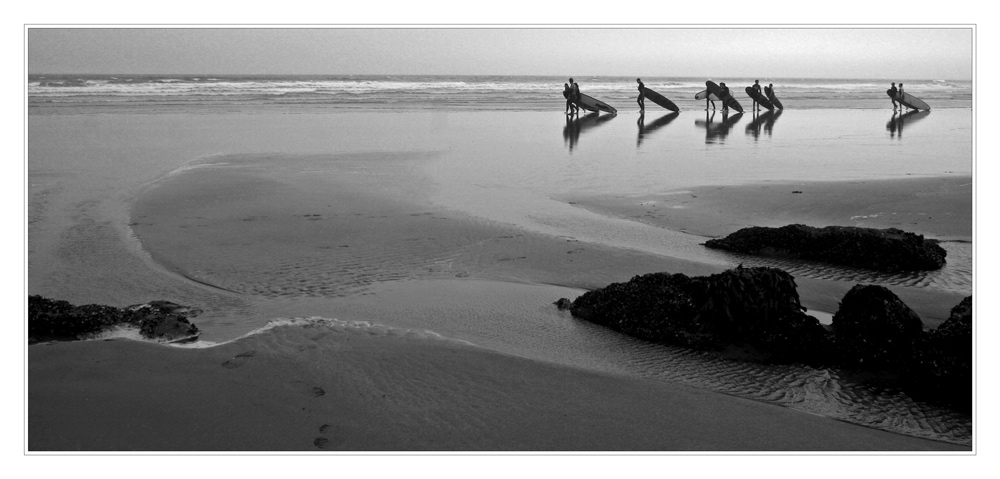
(232, 212)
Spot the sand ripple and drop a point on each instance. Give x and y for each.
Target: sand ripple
(814, 390)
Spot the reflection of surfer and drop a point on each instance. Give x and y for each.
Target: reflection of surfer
(566, 94)
(642, 95)
(892, 94)
(756, 87)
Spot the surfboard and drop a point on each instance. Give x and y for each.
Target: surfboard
(727, 99)
(909, 101)
(590, 103)
(705, 95)
(659, 99)
(774, 99)
(759, 98)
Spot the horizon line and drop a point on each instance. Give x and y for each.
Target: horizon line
(201, 74)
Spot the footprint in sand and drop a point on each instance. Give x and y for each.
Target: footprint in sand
(314, 391)
(239, 360)
(321, 442)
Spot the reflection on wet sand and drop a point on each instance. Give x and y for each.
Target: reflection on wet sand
(763, 121)
(895, 124)
(717, 132)
(660, 122)
(576, 125)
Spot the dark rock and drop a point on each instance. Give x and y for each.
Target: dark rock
(761, 306)
(656, 306)
(757, 306)
(563, 304)
(944, 359)
(874, 328)
(887, 250)
(61, 321)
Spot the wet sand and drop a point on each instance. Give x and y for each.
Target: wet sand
(323, 388)
(937, 207)
(384, 241)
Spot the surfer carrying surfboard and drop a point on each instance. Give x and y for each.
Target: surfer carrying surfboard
(725, 93)
(566, 94)
(901, 95)
(642, 95)
(756, 87)
(892, 95)
(574, 96)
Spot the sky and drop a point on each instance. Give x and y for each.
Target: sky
(910, 53)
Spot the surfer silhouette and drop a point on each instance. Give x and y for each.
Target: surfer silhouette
(574, 96)
(725, 92)
(756, 87)
(642, 95)
(892, 95)
(901, 105)
(566, 94)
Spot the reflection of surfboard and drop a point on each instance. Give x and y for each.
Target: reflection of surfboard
(590, 103)
(909, 101)
(659, 99)
(705, 95)
(909, 118)
(658, 123)
(759, 98)
(774, 99)
(727, 99)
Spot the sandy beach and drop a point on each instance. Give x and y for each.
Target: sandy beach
(320, 387)
(453, 265)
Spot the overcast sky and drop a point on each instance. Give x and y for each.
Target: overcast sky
(915, 53)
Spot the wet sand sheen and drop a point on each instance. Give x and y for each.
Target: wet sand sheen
(327, 245)
(303, 234)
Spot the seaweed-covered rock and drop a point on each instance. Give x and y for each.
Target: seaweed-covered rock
(59, 320)
(760, 306)
(873, 327)
(742, 300)
(656, 306)
(944, 358)
(887, 250)
(756, 306)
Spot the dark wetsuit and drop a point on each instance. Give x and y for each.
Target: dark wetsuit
(895, 94)
(756, 86)
(575, 96)
(725, 93)
(642, 96)
(566, 94)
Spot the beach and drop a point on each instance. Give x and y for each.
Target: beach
(378, 279)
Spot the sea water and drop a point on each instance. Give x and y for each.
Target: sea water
(443, 92)
(98, 145)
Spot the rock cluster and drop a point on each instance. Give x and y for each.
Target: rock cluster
(873, 330)
(163, 321)
(888, 250)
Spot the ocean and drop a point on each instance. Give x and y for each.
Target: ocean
(463, 207)
(452, 92)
